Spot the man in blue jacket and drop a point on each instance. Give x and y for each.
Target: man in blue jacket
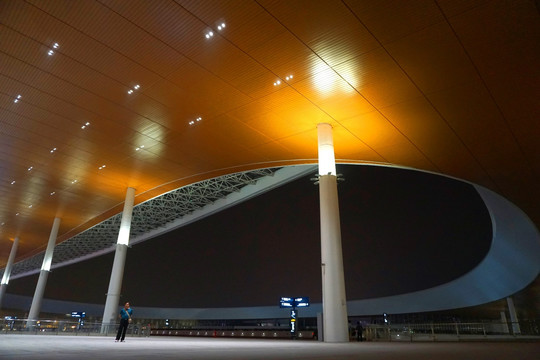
(125, 319)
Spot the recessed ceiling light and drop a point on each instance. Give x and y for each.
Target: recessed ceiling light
(17, 99)
(85, 125)
(102, 167)
(209, 34)
(30, 206)
(50, 52)
(221, 26)
(74, 181)
(30, 168)
(13, 182)
(278, 82)
(139, 148)
(136, 87)
(17, 214)
(289, 77)
(56, 46)
(52, 193)
(130, 91)
(53, 150)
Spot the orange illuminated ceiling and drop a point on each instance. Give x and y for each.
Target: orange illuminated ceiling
(98, 96)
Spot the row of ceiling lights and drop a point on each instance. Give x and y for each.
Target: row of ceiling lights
(136, 87)
(53, 150)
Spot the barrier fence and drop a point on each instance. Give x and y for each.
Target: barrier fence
(372, 332)
(66, 327)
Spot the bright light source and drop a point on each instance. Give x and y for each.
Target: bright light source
(52, 193)
(136, 87)
(327, 161)
(50, 52)
(30, 168)
(130, 91)
(56, 46)
(13, 182)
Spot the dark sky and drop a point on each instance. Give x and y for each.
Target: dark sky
(402, 231)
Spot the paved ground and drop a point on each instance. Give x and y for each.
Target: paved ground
(93, 347)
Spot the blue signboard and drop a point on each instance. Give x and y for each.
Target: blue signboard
(78, 314)
(294, 302)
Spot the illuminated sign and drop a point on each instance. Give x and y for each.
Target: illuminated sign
(294, 302)
(78, 314)
(301, 301)
(293, 321)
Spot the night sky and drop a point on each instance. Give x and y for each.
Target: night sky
(402, 231)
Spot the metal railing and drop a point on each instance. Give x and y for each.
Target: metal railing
(452, 331)
(68, 327)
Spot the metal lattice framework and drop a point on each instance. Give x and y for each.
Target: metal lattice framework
(147, 216)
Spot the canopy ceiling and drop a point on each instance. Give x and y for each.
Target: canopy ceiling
(98, 96)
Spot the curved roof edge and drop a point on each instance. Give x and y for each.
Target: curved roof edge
(511, 264)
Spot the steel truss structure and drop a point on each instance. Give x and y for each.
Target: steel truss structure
(148, 216)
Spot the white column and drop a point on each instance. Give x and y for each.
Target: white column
(7, 270)
(35, 308)
(516, 330)
(115, 284)
(335, 325)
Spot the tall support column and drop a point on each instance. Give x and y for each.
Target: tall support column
(7, 270)
(335, 324)
(115, 283)
(516, 330)
(35, 308)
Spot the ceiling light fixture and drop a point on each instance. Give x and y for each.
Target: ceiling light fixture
(102, 167)
(209, 34)
(30, 206)
(221, 26)
(139, 148)
(278, 82)
(52, 193)
(136, 87)
(289, 77)
(13, 182)
(50, 52)
(85, 125)
(53, 150)
(74, 181)
(30, 168)
(17, 99)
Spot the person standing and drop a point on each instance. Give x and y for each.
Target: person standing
(359, 330)
(125, 319)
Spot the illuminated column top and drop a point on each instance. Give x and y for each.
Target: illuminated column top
(47, 259)
(11, 259)
(125, 224)
(327, 161)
